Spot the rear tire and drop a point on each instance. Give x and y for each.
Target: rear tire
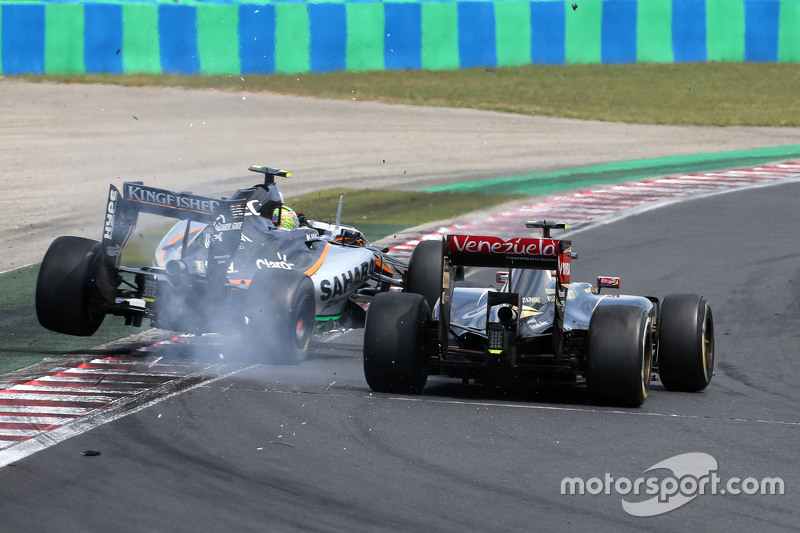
(73, 282)
(424, 274)
(686, 343)
(620, 356)
(394, 343)
(280, 309)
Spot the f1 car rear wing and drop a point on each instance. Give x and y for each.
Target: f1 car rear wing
(487, 251)
(527, 253)
(225, 217)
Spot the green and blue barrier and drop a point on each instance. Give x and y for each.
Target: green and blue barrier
(68, 37)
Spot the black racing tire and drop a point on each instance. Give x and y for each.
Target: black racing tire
(73, 282)
(424, 274)
(394, 343)
(280, 311)
(686, 343)
(620, 356)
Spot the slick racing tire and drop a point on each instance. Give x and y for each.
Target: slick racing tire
(620, 356)
(73, 283)
(424, 274)
(394, 343)
(280, 311)
(686, 343)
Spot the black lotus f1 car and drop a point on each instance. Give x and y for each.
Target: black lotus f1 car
(225, 267)
(540, 326)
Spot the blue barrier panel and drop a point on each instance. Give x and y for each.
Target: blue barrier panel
(103, 38)
(689, 30)
(548, 32)
(328, 25)
(402, 43)
(257, 38)
(177, 30)
(761, 30)
(23, 39)
(476, 34)
(619, 31)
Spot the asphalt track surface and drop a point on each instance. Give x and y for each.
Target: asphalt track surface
(310, 448)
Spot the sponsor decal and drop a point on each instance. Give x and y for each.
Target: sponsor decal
(253, 208)
(113, 251)
(221, 225)
(111, 211)
(551, 294)
(280, 263)
(495, 245)
(346, 282)
(140, 193)
(564, 268)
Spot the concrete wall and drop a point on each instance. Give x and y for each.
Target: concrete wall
(294, 36)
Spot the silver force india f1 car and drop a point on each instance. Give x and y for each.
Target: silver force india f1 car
(225, 267)
(538, 326)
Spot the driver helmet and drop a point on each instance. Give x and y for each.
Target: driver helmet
(285, 218)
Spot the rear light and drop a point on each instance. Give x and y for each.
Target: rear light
(496, 335)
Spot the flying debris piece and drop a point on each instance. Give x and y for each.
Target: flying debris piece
(574, 6)
(90, 453)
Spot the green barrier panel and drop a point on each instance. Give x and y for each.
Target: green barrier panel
(440, 36)
(725, 30)
(365, 23)
(583, 32)
(218, 39)
(789, 31)
(63, 39)
(654, 31)
(513, 33)
(292, 38)
(140, 43)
